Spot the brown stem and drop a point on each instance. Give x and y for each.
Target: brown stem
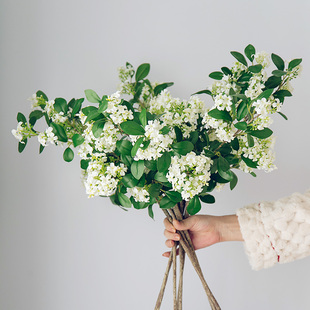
(181, 272)
(163, 286)
(174, 263)
(187, 245)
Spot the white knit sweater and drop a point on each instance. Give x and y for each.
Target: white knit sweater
(276, 231)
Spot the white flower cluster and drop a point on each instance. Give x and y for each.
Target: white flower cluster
(140, 194)
(101, 178)
(19, 132)
(97, 147)
(47, 136)
(158, 142)
(223, 131)
(118, 112)
(56, 117)
(262, 152)
(189, 174)
(175, 112)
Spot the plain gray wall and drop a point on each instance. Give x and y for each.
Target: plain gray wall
(61, 250)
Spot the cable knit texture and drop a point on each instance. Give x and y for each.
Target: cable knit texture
(276, 231)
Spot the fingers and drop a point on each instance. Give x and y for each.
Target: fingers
(171, 235)
(169, 226)
(186, 224)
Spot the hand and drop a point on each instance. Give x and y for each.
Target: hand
(204, 230)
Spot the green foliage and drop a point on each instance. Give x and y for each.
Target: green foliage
(239, 57)
(217, 75)
(132, 128)
(220, 114)
(68, 154)
(194, 206)
(164, 162)
(142, 71)
(137, 169)
(250, 52)
(92, 96)
(278, 61)
(183, 147)
(77, 140)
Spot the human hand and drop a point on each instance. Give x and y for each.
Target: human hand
(204, 230)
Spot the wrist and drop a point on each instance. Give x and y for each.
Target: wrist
(229, 228)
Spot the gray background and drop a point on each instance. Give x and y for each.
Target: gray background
(61, 250)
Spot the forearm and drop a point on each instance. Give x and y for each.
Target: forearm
(229, 228)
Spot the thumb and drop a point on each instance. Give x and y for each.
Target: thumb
(185, 224)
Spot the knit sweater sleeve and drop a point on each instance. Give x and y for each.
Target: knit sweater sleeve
(276, 231)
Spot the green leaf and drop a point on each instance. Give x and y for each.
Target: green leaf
(124, 147)
(222, 164)
(294, 63)
(124, 200)
(256, 68)
(253, 174)
(207, 198)
(183, 147)
(239, 57)
(174, 196)
(154, 190)
(265, 94)
(226, 71)
(68, 154)
(226, 175)
(278, 61)
(160, 177)
(273, 82)
(127, 160)
(132, 128)
(219, 114)
(282, 93)
(143, 118)
(166, 203)
(129, 180)
(250, 52)
(59, 131)
(205, 91)
(245, 77)
(278, 73)
(40, 93)
(84, 163)
(235, 144)
(142, 71)
(150, 211)
(249, 162)
(242, 111)
(250, 140)
(97, 128)
(234, 181)
(136, 146)
(77, 106)
(165, 130)
(41, 148)
(178, 133)
(92, 115)
(283, 115)
(194, 136)
(151, 164)
(21, 118)
(217, 75)
(77, 139)
(103, 105)
(22, 145)
(34, 116)
(194, 205)
(241, 125)
(137, 169)
(261, 134)
(92, 96)
(163, 162)
(60, 105)
(159, 88)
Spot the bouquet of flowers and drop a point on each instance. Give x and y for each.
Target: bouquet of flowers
(140, 146)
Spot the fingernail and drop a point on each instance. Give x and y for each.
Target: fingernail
(176, 237)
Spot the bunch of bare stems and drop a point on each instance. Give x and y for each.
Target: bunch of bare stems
(185, 247)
